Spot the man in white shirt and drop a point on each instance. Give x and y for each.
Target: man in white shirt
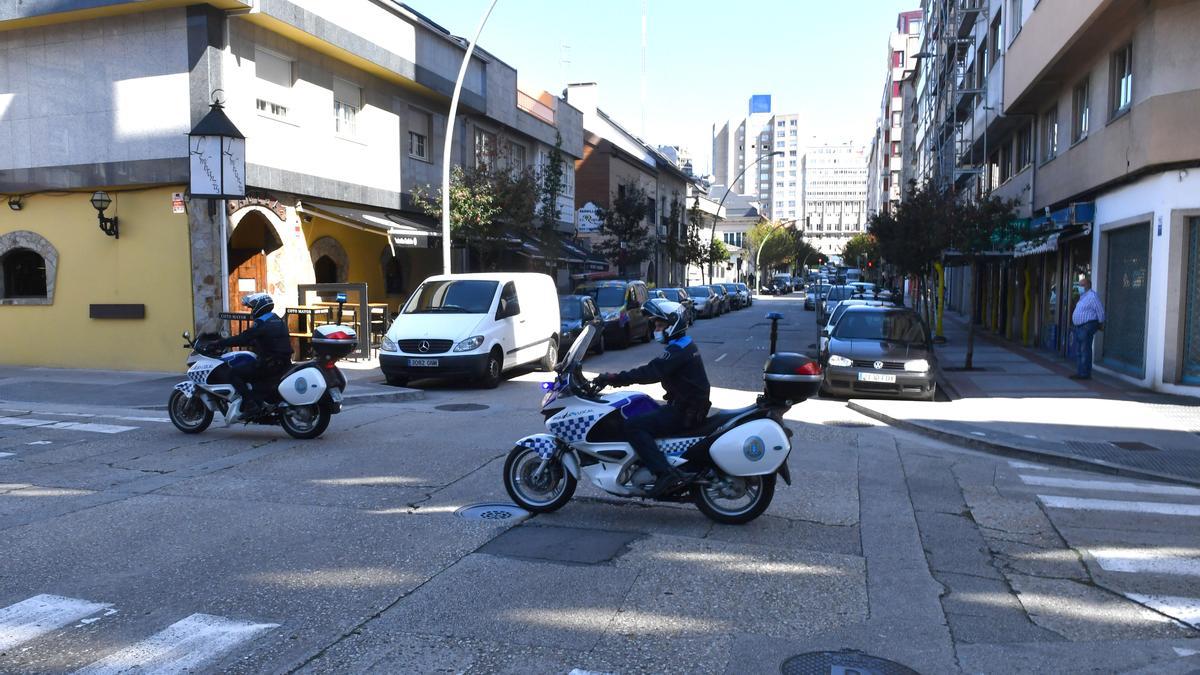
(1087, 318)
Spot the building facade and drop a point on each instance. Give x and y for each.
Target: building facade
(344, 109)
(892, 149)
(834, 196)
(740, 149)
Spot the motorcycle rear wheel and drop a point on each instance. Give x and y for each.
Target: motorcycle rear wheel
(305, 422)
(718, 503)
(188, 414)
(542, 494)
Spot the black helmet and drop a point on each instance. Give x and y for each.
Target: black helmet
(670, 313)
(258, 304)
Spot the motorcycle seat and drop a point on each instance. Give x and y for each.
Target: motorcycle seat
(714, 421)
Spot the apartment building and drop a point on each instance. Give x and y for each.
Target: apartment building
(1083, 113)
(344, 106)
(834, 195)
(892, 148)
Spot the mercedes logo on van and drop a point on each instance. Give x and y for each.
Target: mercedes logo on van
(878, 364)
(424, 347)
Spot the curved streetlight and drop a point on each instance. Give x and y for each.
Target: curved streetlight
(462, 74)
(729, 188)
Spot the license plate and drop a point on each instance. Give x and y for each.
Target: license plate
(423, 363)
(336, 395)
(877, 377)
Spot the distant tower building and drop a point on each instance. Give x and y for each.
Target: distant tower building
(737, 143)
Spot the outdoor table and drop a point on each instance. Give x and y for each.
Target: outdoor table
(306, 318)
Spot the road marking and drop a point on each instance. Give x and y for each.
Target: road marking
(718, 359)
(1145, 561)
(1162, 508)
(1111, 486)
(1026, 465)
(1185, 652)
(73, 426)
(32, 618)
(5, 454)
(130, 418)
(184, 646)
(1186, 610)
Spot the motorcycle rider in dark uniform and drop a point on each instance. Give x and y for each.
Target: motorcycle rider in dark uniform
(268, 338)
(680, 369)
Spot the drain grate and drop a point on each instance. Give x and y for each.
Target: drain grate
(497, 512)
(461, 407)
(824, 663)
(1136, 446)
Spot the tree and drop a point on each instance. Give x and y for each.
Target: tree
(691, 246)
(806, 253)
(777, 242)
(677, 232)
(861, 250)
(627, 239)
(550, 187)
(913, 238)
(983, 226)
(716, 254)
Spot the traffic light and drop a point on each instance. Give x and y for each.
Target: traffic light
(870, 264)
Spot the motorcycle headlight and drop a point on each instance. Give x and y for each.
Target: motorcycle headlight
(388, 345)
(917, 366)
(469, 344)
(840, 361)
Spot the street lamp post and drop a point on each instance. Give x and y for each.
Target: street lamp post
(729, 188)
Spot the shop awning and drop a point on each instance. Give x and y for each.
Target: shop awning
(401, 231)
(1036, 245)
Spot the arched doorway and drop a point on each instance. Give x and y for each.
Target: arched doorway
(253, 239)
(325, 270)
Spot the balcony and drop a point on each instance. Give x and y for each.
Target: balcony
(966, 13)
(538, 107)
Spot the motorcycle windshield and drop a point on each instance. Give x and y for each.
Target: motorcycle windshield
(579, 349)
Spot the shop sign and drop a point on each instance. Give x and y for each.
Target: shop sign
(587, 218)
(177, 205)
(257, 199)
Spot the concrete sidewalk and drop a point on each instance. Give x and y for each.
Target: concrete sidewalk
(150, 390)
(1022, 402)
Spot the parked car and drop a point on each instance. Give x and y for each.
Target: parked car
(726, 304)
(575, 312)
(749, 293)
(882, 351)
(827, 329)
(620, 304)
(737, 298)
(830, 300)
(473, 325)
(705, 300)
(786, 279)
(681, 296)
(815, 294)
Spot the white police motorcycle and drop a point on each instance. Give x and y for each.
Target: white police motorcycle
(736, 454)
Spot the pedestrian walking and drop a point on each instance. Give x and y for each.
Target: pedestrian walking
(1087, 318)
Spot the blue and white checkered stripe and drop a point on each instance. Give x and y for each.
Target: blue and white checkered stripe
(573, 429)
(676, 446)
(543, 444)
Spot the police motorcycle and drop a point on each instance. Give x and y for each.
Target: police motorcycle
(735, 455)
(306, 398)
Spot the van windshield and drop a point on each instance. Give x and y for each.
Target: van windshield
(607, 296)
(453, 296)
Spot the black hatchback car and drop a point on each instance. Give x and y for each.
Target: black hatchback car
(880, 351)
(620, 304)
(575, 312)
(681, 296)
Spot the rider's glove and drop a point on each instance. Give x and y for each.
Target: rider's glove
(605, 379)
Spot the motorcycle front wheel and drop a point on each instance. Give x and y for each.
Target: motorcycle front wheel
(735, 500)
(305, 422)
(188, 413)
(537, 492)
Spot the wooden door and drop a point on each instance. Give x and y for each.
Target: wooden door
(247, 274)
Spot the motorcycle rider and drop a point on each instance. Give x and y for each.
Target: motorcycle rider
(268, 338)
(680, 369)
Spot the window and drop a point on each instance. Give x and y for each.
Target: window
(516, 157)
(24, 274)
(895, 89)
(997, 37)
(1006, 164)
(897, 58)
(1122, 79)
(983, 57)
(347, 101)
(1024, 155)
(1080, 111)
(509, 305)
(419, 123)
(1014, 19)
(897, 118)
(895, 148)
(274, 74)
(1049, 134)
(485, 148)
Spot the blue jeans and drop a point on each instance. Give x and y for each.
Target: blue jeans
(1083, 342)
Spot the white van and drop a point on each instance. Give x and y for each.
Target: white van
(473, 325)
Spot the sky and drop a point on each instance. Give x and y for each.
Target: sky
(824, 59)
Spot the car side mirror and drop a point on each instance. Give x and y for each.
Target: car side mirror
(824, 332)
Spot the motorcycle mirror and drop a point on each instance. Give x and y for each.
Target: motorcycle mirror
(187, 335)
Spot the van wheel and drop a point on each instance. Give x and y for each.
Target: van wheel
(493, 370)
(550, 360)
(396, 380)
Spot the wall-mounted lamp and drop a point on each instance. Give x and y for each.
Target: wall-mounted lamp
(14, 202)
(100, 201)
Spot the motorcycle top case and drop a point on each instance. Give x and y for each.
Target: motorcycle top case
(334, 340)
(788, 376)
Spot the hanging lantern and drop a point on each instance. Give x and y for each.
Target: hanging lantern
(217, 154)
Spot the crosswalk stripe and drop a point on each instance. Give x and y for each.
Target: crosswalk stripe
(1111, 486)
(1078, 503)
(1186, 610)
(30, 619)
(1026, 465)
(5, 454)
(184, 646)
(55, 424)
(1145, 561)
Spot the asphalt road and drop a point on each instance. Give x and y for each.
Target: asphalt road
(126, 543)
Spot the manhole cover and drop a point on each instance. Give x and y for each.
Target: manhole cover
(842, 663)
(493, 512)
(461, 407)
(846, 424)
(1137, 446)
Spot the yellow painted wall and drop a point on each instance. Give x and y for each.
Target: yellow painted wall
(150, 264)
(364, 248)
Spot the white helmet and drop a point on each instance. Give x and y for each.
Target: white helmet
(670, 313)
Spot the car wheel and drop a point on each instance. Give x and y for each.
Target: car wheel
(626, 338)
(493, 370)
(598, 344)
(396, 380)
(550, 360)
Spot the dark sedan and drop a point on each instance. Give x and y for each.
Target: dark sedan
(882, 351)
(575, 312)
(705, 301)
(678, 295)
(724, 303)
